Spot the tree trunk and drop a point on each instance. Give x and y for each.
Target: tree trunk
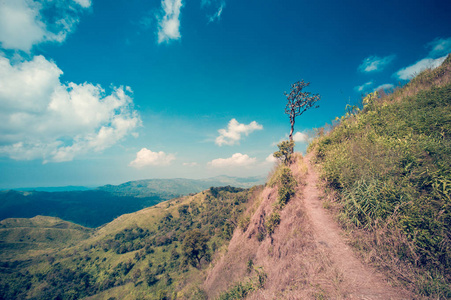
(291, 132)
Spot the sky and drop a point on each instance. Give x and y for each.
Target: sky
(97, 92)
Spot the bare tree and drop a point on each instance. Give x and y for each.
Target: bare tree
(299, 102)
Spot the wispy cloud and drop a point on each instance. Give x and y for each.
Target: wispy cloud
(146, 157)
(384, 87)
(169, 21)
(190, 164)
(421, 65)
(23, 23)
(375, 63)
(363, 87)
(44, 118)
(232, 135)
(217, 16)
(216, 5)
(440, 47)
(236, 160)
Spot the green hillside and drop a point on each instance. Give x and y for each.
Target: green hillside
(386, 172)
(144, 254)
(387, 167)
(171, 188)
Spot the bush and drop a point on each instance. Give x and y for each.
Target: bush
(272, 222)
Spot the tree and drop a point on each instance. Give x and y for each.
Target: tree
(195, 247)
(285, 151)
(299, 102)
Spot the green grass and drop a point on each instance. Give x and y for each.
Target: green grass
(390, 167)
(138, 254)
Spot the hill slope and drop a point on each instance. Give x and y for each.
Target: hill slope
(389, 167)
(93, 208)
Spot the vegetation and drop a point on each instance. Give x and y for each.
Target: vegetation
(148, 254)
(285, 151)
(298, 102)
(389, 165)
(243, 288)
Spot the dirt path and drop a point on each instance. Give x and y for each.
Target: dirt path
(361, 281)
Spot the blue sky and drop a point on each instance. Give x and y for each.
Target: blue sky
(95, 91)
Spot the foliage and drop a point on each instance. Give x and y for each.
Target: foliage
(243, 288)
(140, 253)
(298, 102)
(195, 247)
(272, 222)
(285, 151)
(390, 164)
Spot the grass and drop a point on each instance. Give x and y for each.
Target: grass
(389, 167)
(137, 254)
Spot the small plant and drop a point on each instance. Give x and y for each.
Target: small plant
(272, 222)
(243, 223)
(285, 151)
(249, 265)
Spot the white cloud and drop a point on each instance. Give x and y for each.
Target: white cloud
(232, 134)
(43, 118)
(236, 160)
(215, 7)
(375, 63)
(440, 47)
(363, 87)
(271, 158)
(84, 3)
(413, 70)
(190, 164)
(22, 22)
(300, 137)
(217, 15)
(169, 21)
(385, 87)
(146, 157)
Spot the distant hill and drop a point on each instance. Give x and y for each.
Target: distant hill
(93, 208)
(68, 188)
(171, 188)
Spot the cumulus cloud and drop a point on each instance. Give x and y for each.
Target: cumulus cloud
(271, 159)
(421, 65)
(385, 87)
(236, 160)
(232, 134)
(44, 118)
(300, 137)
(22, 22)
(440, 47)
(146, 157)
(363, 87)
(169, 21)
(375, 63)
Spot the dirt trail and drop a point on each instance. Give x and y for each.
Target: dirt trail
(361, 281)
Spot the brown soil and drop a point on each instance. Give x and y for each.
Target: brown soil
(305, 258)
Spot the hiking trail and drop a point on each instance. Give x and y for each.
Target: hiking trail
(361, 281)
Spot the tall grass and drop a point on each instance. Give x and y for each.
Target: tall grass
(390, 166)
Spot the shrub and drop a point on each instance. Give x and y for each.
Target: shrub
(272, 222)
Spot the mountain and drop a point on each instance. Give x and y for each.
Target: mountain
(93, 208)
(170, 188)
(365, 215)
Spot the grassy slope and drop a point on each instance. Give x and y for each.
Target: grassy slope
(137, 255)
(389, 167)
